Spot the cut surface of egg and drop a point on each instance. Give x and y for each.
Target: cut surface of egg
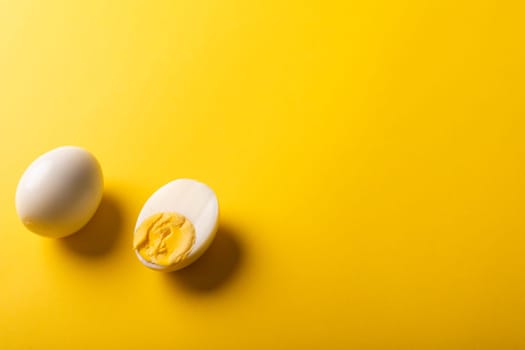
(176, 225)
(59, 192)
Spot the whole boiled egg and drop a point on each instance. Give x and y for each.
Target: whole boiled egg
(60, 191)
(176, 225)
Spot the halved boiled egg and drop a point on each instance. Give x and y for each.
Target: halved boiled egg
(176, 225)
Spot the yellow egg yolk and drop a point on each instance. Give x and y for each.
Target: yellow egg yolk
(164, 238)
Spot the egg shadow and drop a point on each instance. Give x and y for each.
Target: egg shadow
(215, 268)
(100, 234)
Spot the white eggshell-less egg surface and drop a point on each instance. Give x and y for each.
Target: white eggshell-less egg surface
(60, 191)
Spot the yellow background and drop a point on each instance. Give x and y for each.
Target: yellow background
(368, 157)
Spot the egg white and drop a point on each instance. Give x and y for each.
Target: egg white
(59, 192)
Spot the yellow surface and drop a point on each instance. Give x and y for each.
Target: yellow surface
(368, 156)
